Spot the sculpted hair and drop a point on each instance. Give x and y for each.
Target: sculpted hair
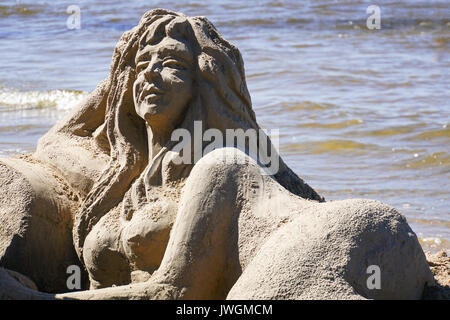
(108, 117)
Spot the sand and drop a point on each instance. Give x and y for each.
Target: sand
(440, 267)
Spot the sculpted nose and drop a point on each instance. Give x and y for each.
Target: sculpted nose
(152, 71)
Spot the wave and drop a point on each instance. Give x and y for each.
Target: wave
(11, 100)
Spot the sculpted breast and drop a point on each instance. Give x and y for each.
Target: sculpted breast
(145, 236)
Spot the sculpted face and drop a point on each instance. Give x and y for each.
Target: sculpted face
(164, 81)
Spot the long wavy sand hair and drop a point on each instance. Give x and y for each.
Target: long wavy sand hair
(221, 101)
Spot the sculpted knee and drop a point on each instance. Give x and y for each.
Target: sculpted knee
(224, 166)
(379, 238)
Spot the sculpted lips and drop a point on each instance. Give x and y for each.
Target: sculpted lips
(151, 92)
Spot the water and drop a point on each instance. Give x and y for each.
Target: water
(361, 113)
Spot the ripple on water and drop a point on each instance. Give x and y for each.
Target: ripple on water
(21, 10)
(443, 133)
(301, 106)
(335, 125)
(332, 146)
(438, 159)
(388, 131)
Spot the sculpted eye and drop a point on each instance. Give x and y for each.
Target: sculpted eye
(174, 64)
(141, 66)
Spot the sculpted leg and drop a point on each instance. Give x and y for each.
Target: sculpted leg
(202, 257)
(35, 223)
(227, 211)
(326, 251)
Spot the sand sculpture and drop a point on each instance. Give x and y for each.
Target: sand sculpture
(103, 191)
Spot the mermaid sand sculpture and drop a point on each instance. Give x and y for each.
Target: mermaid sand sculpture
(103, 191)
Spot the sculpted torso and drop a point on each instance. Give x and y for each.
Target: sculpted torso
(161, 93)
(121, 201)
